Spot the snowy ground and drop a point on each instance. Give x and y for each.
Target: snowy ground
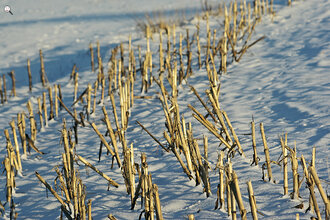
(282, 81)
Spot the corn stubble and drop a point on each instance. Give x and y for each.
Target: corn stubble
(176, 64)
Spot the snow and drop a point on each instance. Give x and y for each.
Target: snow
(281, 81)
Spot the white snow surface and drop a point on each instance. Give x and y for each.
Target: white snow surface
(283, 81)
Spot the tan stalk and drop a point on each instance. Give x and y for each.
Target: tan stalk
(159, 214)
(103, 89)
(74, 192)
(113, 103)
(294, 167)
(20, 130)
(252, 200)
(153, 137)
(60, 95)
(183, 140)
(238, 195)
(168, 42)
(44, 105)
(92, 56)
(230, 208)
(1, 92)
(285, 167)
(161, 56)
(10, 151)
(89, 91)
(63, 186)
(42, 69)
(50, 189)
(66, 148)
(13, 127)
(112, 182)
(55, 100)
(203, 103)
(40, 113)
(313, 206)
(9, 184)
(233, 133)
(94, 100)
(4, 87)
(151, 198)
(199, 53)
(70, 113)
(325, 199)
(75, 87)
(211, 128)
(103, 139)
(51, 103)
(206, 145)
(13, 88)
(32, 145)
(112, 135)
(254, 145)
(89, 209)
(203, 170)
(29, 74)
(220, 118)
(33, 128)
(266, 150)
(221, 180)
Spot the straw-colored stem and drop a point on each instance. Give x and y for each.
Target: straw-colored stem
(55, 100)
(21, 129)
(13, 80)
(266, 150)
(238, 195)
(112, 135)
(313, 206)
(112, 182)
(32, 145)
(42, 69)
(228, 188)
(159, 214)
(44, 105)
(9, 184)
(51, 103)
(94, 100)
(33, 128)
(113, 103)
(92, 56)
(294, 166)
(13, 127)
(1, 92)
(221, 180)
(89, 209)
(50, 189)
(75, 91)
(4, 87)
(70, 113)
(233, 133)
(254, 145)
(285, 167)
(29, 74)
(103, 139)
(325, 199)
(10, 150)
(252, 200)
(155, 139)
(64, 188)
(89, 91)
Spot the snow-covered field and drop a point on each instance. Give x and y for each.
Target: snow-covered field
(281, 81)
